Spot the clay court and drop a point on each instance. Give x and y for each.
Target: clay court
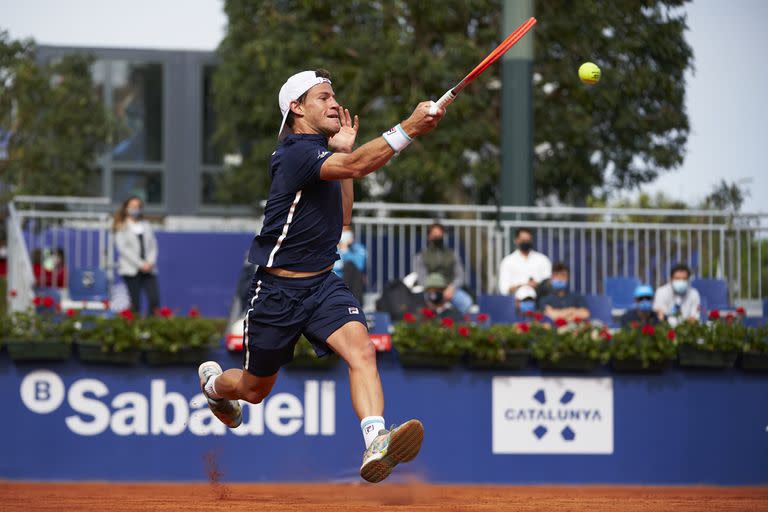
(112, 497)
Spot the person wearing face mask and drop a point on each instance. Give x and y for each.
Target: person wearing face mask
(435, 299)
(678, 300)
(137, 253)
(524, 266)
(525, 301)
(439, 259)
(643, 313)
(562, 303)
(351, 263)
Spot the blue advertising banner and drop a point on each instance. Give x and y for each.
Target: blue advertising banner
(69, 421)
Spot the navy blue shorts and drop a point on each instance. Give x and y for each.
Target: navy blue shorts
(280, 309)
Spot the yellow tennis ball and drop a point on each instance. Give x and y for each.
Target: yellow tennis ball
(589, 73)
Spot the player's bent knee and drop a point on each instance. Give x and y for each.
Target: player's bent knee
(363, 353)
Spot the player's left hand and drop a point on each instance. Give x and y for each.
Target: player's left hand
(344, 140)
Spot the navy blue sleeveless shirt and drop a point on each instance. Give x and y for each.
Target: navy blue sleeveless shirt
(303, 215)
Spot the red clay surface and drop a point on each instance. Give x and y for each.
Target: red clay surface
(109, 497)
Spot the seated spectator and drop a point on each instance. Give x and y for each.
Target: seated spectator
(48, 268)
(524, 266)
(562, 303)
(678, 300)
(438, 259)
(643, 313)
(435, 286)
(525, 300)
(351, 263)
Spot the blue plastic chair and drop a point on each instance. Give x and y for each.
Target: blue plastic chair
(501, 308)
(621, 291)
(600, 308)
(715, 291)
(88, 284)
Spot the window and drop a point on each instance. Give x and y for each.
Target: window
(137, 103)
(211, 155)
(146, 185)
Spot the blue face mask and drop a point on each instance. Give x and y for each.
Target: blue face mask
(645, 305)
(527, 305)
(680, 286)
(559, 284)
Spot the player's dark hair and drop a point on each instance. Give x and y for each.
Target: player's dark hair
(680, 267)
(320, 73)
(560, 267)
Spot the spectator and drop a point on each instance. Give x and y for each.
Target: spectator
(562, 303)
(351, 263)
(137, 253)
(438, 259)
(678, 300)
(48, 268)
(525, 300)
(643, 313)
(435, 286)
(524, 266)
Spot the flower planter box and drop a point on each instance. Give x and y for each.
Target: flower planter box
(311, 362)
(570, 363)
(692, 357)
(636, 366)
(427, 360)
(754, 361)
(93, 352)
(47, 350)
(514, 360)
(187, 356)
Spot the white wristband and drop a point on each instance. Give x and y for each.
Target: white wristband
(396, 137)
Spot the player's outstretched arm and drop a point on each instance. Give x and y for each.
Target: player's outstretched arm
(374, 154)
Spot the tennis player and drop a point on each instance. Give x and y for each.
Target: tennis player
(294, 291)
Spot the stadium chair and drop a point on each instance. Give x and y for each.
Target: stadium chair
(715, 291)
(501, 308)
(88, 285)
(600, 308)
(621, 291)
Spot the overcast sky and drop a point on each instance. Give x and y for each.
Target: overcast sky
(725, 96)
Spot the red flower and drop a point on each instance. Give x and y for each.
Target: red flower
(741, 311)
(671, 335)
(463, 330)
(106, 303)
(37, 301)
(523, 327)
(70, 312)
(428, 313)
(12, 293)
(194, 312)
(577, 320)
(730, 317)
(714, 315)
(482, 317)
(649, 330)
(529, 314)
(165, 312)
(127, 314)
(409, 318)
(561, 322)
(538, 317)
(634, 324)
(447, 322)
(606, 335)
(48, 301)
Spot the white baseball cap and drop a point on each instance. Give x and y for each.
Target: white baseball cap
(293, 88)
(525, 292)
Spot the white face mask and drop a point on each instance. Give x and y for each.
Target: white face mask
(680, 286)
(346, 237)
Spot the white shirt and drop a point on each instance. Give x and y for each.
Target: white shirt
(517, 269)
(688, 305)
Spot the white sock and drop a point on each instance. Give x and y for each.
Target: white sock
(210, 388)
(371, 426)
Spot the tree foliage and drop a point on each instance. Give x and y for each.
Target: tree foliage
(387, 55)
(57, 122)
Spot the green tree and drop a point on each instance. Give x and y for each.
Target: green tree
(57, 122)
(385, 56)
